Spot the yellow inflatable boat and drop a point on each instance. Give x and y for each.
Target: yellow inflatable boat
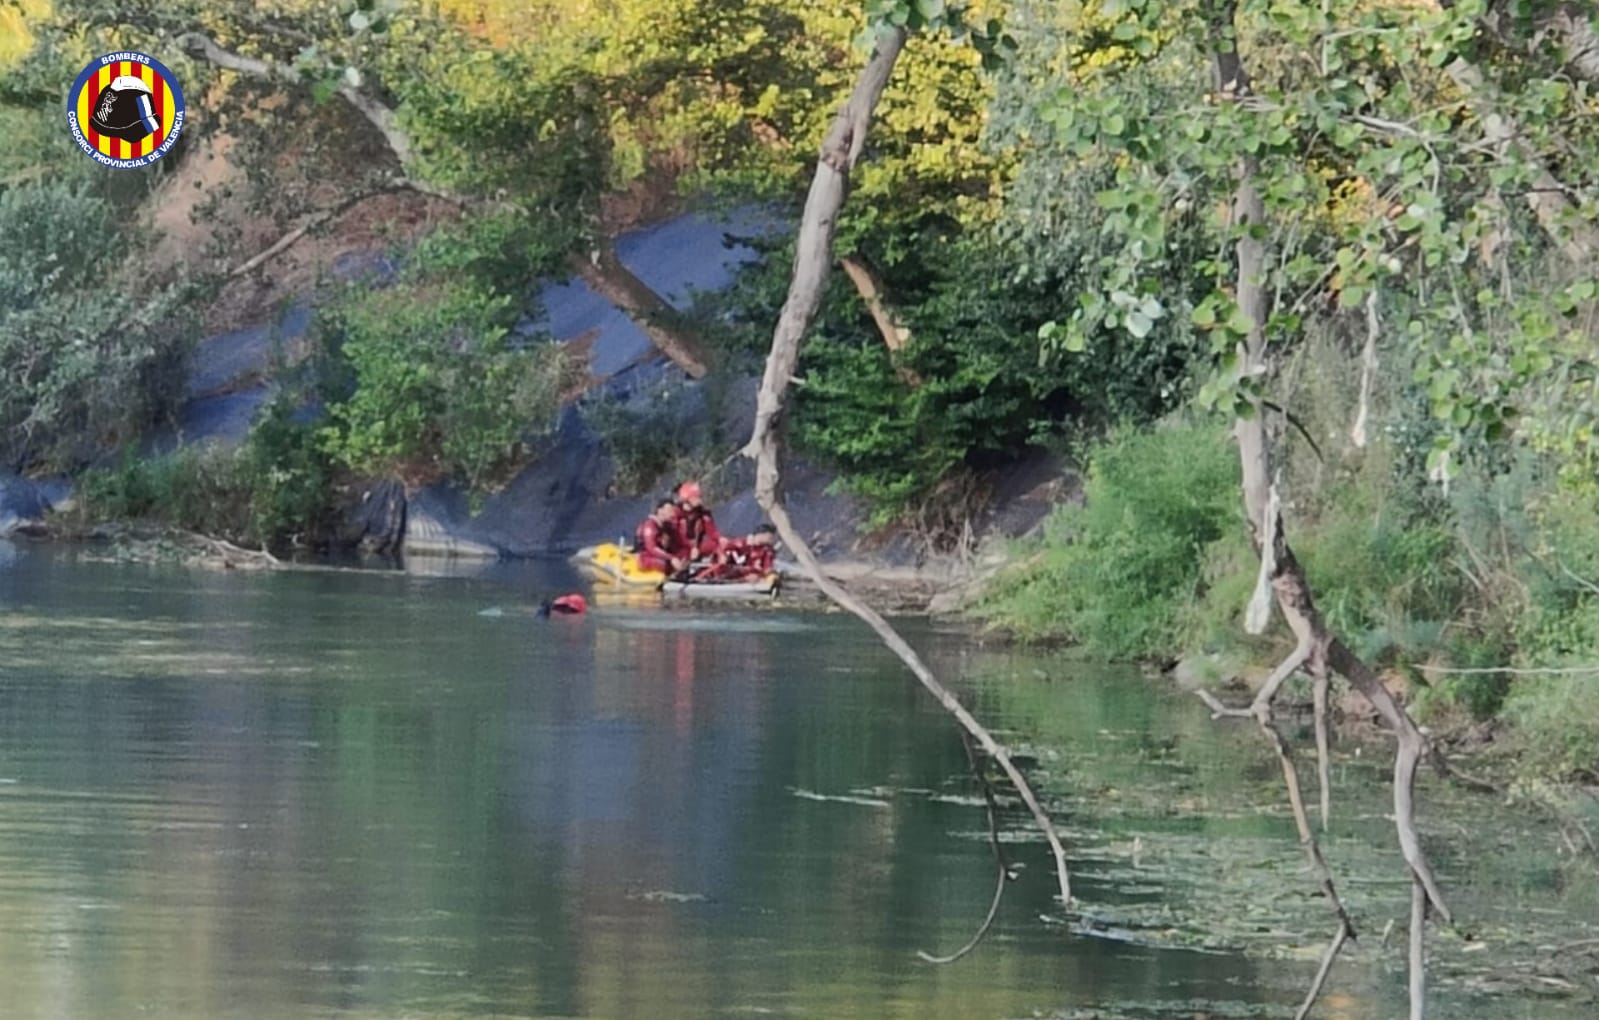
(612, 565)
(609, 563)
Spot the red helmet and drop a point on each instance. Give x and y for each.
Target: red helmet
(570, 604)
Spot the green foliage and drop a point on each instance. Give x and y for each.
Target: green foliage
(289, 474)
(885, 435)
(1379, 570)
(1557, 721)
(500, 251)
(196, 489)
(88, 356)
(1115, 574)
(438, 384)
(276, 487)
(651, 434)
(968, 392)
(1375, 181)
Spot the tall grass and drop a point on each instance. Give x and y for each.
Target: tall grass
(1113, 574)
(1501, 572)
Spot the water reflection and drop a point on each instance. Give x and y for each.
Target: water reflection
(317, 794)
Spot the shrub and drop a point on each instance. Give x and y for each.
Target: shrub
(277, 485)
(1115, 574)
(437, 383)
(650, 435)
(1557, 720)
(289, 476)
(982, 392)
(197, 489)
(88, 357)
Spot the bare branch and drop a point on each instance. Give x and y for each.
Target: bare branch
(1292, 590)
(288, 240)
(1368, 371)
(1323, 742)
(1261, 710)
(1340, 936)
(895, 334)
(812, 261)
(1307, 838)
(608, 276)
(1002, 871)
(377, 114)
(1268, 691)
(1589, 585)
(1221, 711)
(1408, 753)
(1419, 896)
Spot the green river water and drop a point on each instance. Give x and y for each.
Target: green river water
(369, 795)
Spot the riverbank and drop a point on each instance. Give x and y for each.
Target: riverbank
(938, 587)
(1476, 603)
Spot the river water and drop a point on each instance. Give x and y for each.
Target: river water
(378, 795)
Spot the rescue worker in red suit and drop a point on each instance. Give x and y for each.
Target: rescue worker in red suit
(696, 529)
(743, 559)
(658, 542)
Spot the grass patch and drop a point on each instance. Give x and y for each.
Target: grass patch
(1115, 574)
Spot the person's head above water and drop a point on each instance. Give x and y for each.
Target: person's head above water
(765, 534)
(689, 494)
(566, 605)
(665, 510)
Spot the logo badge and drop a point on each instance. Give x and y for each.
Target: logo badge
(125, 110)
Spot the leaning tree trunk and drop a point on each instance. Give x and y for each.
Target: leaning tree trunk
(894, 332)
(813, 262)
(1317, 648)
(608, 277)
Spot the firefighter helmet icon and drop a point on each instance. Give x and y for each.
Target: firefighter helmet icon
(125, 110)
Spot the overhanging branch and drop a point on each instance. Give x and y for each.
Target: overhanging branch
(376, 113)
(813, 262)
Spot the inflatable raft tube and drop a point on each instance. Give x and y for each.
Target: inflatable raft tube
(610, 563)
(762, 588)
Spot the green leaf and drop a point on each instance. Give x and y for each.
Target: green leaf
(1203, 316)
(930, 10)
(1139, 324)
(1114, 125)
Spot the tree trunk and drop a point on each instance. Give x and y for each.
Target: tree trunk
(608, 277)
(813, 262)
(1317, 645)
(895, 334)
